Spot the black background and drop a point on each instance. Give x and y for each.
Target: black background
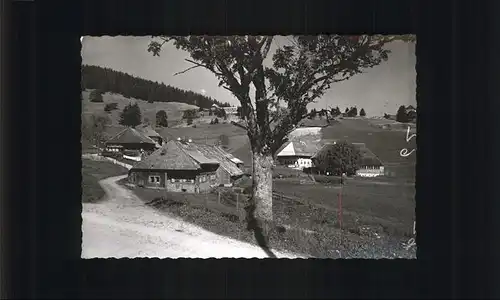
(458, 147)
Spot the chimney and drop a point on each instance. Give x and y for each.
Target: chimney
(179, 139)
(190, 140)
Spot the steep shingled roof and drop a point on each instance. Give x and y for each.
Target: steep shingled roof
(227, 161)
(130, 135)
(302, 146)
(169, 157)
(210, 153)
(177, 155)
(147, 130)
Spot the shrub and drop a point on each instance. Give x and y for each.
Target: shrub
(95, 96)
(110, 107)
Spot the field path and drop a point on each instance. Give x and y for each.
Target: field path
(123, 227)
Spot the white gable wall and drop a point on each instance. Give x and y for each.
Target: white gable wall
(289, 150)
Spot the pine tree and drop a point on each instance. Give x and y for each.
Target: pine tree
(362, 112)
(96, 96)
(108, 80)
(161, 119)
(313, 113)
(401, 115)
(131, 115)
(353, 112)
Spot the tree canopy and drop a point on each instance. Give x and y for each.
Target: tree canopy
(401, 115)
(131, 115)
(93, 128)
(353, 112)
(338, 159)
(301, 71)
(161, 118)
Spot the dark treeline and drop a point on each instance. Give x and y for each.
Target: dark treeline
(108, 80)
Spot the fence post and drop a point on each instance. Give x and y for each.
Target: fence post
(238, 206)
(218, 197)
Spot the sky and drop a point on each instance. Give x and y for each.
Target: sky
(378, 90)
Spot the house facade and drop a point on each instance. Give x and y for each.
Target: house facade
(183, 166)
(297, 153)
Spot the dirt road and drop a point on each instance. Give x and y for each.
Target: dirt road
(122, 226)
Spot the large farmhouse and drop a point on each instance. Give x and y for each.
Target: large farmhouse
(130, 142)
(184, 166)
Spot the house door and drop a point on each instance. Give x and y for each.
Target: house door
(140, 182)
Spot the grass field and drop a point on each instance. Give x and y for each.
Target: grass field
(382, 207)
(92, 172)
(174, 110)
(386, 144)
(306, 229)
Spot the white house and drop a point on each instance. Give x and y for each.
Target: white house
(232, 110)
(297, 153)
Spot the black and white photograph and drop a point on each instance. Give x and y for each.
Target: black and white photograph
(249, 146)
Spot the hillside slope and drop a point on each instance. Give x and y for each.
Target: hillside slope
(384, 143)
(174, 109)
(108, 80)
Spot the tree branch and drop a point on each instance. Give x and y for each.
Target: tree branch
(190, 68)
(239, 125)
(204, 66)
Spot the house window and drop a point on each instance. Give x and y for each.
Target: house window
(212, 177)
(172, 180)
(154, 179)
(183, 180)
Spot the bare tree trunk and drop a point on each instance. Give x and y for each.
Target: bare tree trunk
(263, 186)
(260, 210)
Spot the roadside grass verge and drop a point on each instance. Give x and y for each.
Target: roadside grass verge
(288, 231)
(92, 172)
